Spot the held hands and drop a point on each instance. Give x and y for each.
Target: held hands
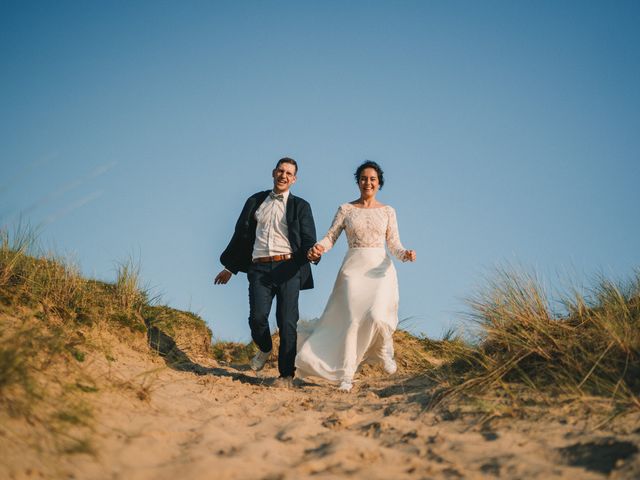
(409, 256)
(315, 252)
(223, 277)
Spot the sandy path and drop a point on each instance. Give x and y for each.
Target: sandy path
(154, 422)
(230, 424)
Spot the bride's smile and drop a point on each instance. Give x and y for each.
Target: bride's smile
(368, 183)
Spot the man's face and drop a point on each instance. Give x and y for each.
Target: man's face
(284, 175)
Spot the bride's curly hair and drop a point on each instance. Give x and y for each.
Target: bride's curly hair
(375, 166)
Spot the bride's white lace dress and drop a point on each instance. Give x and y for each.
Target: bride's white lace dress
(362, 311)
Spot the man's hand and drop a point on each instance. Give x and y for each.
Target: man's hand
(223, 277)
(315, 252)
(409, 256)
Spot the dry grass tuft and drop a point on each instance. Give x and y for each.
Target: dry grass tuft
(234, 352)
(590, 349)
(414, 354)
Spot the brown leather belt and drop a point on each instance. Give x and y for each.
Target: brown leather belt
(275, 258)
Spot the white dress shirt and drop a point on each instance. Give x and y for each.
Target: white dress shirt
(272, 232)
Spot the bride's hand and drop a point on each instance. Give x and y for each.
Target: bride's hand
(315, 252)
(409, 256)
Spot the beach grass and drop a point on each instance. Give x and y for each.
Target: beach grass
(588, 347)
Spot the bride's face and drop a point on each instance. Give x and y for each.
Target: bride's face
(368, 183)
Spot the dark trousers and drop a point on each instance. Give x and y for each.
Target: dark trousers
(280, 280)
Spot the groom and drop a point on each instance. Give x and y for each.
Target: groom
(272, 236)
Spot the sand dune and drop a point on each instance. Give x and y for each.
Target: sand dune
(228, 423)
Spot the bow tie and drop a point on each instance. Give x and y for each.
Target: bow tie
(276, 196)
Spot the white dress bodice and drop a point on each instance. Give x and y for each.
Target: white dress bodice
(366, 228)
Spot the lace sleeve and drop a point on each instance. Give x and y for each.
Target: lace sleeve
(334, 231)
(393, 236)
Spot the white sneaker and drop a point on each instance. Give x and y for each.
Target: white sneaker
(258, 361)
(345, 386)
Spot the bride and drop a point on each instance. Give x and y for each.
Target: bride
(362, 312)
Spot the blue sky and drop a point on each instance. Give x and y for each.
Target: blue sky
(508, 132)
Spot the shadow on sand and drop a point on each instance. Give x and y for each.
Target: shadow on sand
(175, 358)
(417, 390)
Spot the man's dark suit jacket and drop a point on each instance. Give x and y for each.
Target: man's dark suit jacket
(302, 236)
